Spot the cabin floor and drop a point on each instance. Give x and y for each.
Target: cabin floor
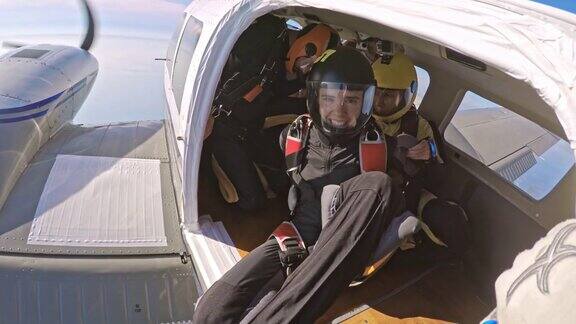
(403, 288)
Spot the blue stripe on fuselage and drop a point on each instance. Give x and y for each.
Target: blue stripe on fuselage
(69, 92)
(31, 106)
(22, 118)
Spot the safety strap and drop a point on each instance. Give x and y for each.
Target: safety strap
(253, 93)
(425, 198)
(292, 248)
(227, 188)
(225, 185)
(409, 122)
(268, 69)
(373, 149)
(296, 141)
(277, 120)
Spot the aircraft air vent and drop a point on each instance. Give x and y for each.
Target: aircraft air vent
(466, 60)
(30, 53)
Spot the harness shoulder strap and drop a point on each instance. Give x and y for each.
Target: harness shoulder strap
(294, 149)
(296, 141)
(409, 122)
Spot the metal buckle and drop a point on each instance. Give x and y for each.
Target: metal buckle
(266, 68)
(295, 129)
(218, 110)
(367, 138)
(293, 256)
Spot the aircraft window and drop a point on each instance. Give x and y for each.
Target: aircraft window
(523, 153)
(423, 84)
(184, 56)
(173, 45)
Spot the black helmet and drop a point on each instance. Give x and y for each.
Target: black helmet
(341, 89)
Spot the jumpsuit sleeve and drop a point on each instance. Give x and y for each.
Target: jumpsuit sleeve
(424, 130)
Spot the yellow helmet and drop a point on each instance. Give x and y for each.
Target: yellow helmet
(395, 74)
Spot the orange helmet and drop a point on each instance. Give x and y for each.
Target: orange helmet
(314, 39)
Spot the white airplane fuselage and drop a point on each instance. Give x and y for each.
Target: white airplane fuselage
(42, 87)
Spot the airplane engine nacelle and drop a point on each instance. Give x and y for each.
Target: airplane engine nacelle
(42, 87)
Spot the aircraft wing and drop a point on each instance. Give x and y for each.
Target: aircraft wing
(501, 139)
(93, 223)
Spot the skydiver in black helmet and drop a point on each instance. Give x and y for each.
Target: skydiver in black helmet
(340, 208)
(248, 117)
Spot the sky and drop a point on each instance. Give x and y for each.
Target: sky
(568, 5)
(127, 17)
(131, 34)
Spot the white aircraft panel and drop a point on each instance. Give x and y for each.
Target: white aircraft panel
(100, 202)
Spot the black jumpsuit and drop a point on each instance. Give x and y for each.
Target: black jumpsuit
(341, 248)
(238, 142)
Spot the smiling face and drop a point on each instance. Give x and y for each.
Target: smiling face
(340, 108)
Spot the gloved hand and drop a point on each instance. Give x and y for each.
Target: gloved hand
(420, 151)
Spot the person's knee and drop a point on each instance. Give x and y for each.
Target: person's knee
(269, 249)
(201, 312)
(221, 297)
(376, 177)
(377, 181)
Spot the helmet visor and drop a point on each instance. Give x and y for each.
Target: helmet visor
(340, 108)
(390, 101)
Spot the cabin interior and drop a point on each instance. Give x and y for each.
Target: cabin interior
(485, 166)
(506, 163)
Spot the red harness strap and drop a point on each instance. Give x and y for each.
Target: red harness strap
(292, 249)
(296, 140)
(373, 152)
(287, 232)
(253, 93)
